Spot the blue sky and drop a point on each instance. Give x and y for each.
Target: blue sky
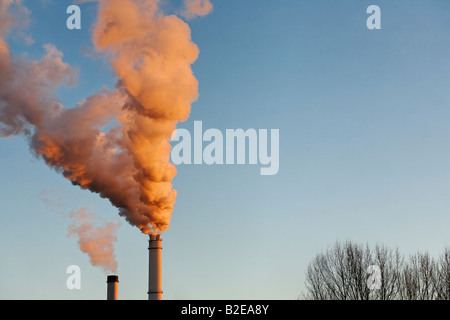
(363, 119)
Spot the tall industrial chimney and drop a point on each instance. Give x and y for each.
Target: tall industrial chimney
(113, 285)
(154, 268)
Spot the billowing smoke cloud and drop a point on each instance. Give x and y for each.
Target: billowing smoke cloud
(95, 240)
(196, 8)
(19, 19)
(115, 142)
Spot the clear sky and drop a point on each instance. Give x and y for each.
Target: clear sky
(363, 120)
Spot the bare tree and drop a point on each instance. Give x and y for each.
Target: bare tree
(441, 280)
(419, 278)
(390, 263)
(341, 273)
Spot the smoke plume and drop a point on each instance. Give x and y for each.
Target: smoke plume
(115, 142)
(196, 8)
(95, 240)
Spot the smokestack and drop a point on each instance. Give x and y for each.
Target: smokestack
(154, 268)
(113, 285)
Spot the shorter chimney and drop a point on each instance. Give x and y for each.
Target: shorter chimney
(113, 286)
